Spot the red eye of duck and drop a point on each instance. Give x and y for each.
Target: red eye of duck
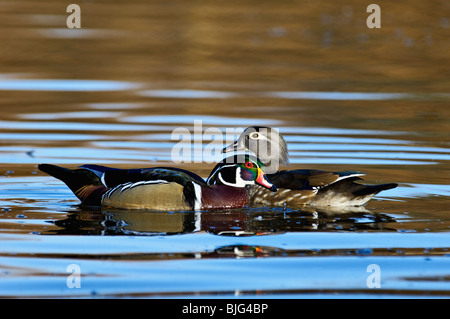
(249, 164)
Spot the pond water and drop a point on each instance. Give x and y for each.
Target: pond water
(344, 96)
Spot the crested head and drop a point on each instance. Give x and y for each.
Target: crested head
(266, 143)
(239, 171)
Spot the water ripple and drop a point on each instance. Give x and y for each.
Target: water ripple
(297, 95)
(358, 96)
(65, 85)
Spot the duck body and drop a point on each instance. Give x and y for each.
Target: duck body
(158, 188)
(172, 196)
(300, 187)
(163, 188)
(316, 188)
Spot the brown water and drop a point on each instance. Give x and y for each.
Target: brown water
(345, 97)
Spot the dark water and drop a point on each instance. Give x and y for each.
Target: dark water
(345, 97)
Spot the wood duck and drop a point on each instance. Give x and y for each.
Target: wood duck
(301, 186)
(163, 188)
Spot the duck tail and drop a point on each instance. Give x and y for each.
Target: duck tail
(347, 192)
(374, 189)
(85, 184)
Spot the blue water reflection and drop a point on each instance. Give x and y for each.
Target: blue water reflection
(64, 85)
(356, 96)
(297, 95)
(188, 94)
(198, 118)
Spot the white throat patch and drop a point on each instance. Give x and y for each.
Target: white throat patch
(239, 181)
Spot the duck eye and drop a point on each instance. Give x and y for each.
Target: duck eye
(254, 135)
(249, 164)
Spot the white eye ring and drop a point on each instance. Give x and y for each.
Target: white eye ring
(254, 135)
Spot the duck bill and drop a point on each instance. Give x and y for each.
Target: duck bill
(233, 147)
(264, 181)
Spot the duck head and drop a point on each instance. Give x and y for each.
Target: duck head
(266, 143)
(240, 171)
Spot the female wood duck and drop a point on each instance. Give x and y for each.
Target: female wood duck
(163, 188)
(302, 186)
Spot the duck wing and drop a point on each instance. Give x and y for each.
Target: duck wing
(112, 177)
(307, 179)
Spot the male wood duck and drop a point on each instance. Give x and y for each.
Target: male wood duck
(163, 188)
(301, 186)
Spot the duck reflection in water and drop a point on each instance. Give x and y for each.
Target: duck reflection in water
(232, 222)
